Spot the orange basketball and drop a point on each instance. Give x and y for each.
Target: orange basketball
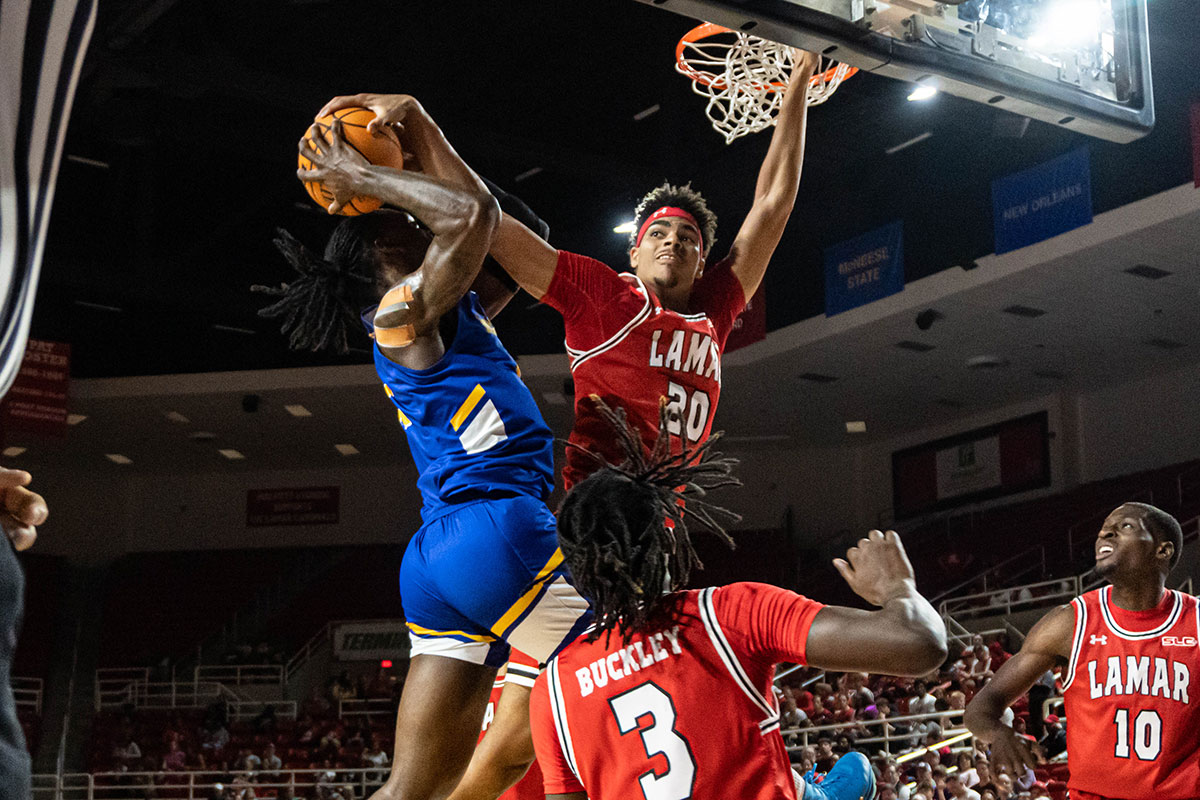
(379, 148)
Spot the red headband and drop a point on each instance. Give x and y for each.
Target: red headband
(669, 211)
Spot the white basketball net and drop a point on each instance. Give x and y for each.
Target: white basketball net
(744, 78)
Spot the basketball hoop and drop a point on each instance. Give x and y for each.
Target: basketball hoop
(744, 77)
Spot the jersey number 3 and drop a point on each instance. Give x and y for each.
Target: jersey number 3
(658, 737)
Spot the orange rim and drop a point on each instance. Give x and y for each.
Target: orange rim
(709, 29)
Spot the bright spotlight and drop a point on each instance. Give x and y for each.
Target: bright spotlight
(922, 93)
(1068, 24)
(625, 227)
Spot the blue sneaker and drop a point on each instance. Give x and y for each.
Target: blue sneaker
(850, 779)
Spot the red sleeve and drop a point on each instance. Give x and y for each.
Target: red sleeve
(767, 623)
(556, 775)
(579, 280)
(719, 294)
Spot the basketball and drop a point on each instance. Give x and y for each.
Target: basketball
(379, 148)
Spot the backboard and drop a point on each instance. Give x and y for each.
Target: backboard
(1079, 64)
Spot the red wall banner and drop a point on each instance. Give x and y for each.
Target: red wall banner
(309, 505)
(37, 401)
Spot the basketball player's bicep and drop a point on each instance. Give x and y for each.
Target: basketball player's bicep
(525, 256)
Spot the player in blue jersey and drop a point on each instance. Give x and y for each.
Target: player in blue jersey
(484, 570)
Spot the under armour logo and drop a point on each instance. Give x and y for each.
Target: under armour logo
(1098, 639)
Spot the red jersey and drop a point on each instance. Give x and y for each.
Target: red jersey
(522, 670)
(628, 349)
(1132, 730)
(687, 712)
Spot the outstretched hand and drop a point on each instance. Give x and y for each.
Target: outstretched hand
(22, 510)
(334, 165)
(390, 109)
(877, 568)
(804, 63)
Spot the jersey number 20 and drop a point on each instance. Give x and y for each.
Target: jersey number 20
(659, 736)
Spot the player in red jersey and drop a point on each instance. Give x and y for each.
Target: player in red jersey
(1130, 651)
(671, 691)
(658, 332)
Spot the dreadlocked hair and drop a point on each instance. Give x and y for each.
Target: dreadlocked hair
(684, 197)
(322, 305)
(624, 529)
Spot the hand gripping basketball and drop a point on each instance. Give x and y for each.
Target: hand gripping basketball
(331, 152)
(392, 328)
(389, 109)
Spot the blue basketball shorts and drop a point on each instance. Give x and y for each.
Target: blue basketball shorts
(488, 574)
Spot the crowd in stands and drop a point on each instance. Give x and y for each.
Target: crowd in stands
(247, 759)
(912, 758)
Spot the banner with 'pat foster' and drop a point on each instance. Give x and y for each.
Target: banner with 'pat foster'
(37, 401)
(864, 269)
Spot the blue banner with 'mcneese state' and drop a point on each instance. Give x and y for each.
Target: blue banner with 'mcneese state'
(863, 269)
(1042, 201)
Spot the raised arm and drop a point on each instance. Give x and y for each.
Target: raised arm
(462, 223)
(520, 251)
(1047, 645)
(778, 182)
(905, 636)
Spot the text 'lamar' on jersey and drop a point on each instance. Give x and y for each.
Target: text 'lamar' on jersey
(628, 660)
(703, 356)
(1131, 675)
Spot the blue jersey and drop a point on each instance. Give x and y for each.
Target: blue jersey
(472, 425)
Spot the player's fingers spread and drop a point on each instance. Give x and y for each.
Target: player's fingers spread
(27, 507)
(13, 477)
(21, 536)
(844, 569)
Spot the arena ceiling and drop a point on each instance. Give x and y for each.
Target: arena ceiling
(180, 155)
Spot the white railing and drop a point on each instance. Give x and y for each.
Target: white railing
(881, 731)
(243, 674)
(28, 694)
(358, 783)
(131, 686)
(996, 601)
(306, 652)
(367, 707)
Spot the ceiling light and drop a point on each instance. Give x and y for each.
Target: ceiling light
(896, 148)
(75, 419)
(117, 458)
(346, 449)
(98, 306)
(298, 411)
(232, 455)
(858, 426)
(529, 173)
(645, 112)
(625, 227)
(233, 329)
(13, 452)
(922, 93)
(202, 436)
(175, 416)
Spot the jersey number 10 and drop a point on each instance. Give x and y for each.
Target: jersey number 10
(1147, 734)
